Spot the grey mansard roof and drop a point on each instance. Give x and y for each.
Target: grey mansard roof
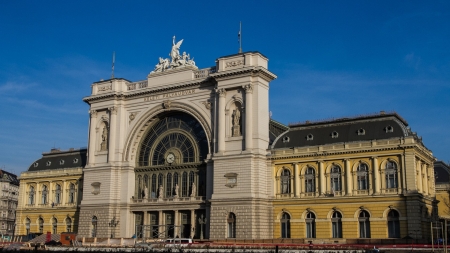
(57, 159)
(363, 128)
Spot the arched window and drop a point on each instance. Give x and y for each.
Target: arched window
(310, 179)
(231, 221)
(169, 185)
(154, 186)
(44, 195)
(362, 174)
(71, 194)
(285, 226)
(68, 224)
(393, 224)
(184, 183)
(94, 226)
(336, 224)
(54, 225)
(58, 194)
(364, 224)
(31, 196)
(391, 175)
(27, 225)
(285, 181)
(310, 225)
(335, 177)
(41, 225)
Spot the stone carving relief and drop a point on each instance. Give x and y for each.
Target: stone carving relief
(167, 104)
(93, 113)
(105, 88)
(132, 116)
(194, 190)
(104, 143)
(177, 60)
(231, 64)
(207, 104)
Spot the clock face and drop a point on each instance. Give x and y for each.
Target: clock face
(170, 158)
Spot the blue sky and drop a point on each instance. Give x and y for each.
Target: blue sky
(332, 58)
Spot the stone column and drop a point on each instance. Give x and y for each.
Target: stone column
(376, 176)
(92, 143)
(349, 178)
(160, 222)
(176, 230)
(112, 133)
(296, 181)
(248, 117)
(145, 222)
(221, 124)
(193, 223)
(419, 177)
(63, 193)
(322, 183)
(426, 190)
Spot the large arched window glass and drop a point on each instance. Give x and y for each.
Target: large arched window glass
(169, 185)
(285, 181)
(310, 179)
(54, 225)
(44, 195)
(154, 186)
(41, 225)
(393, 224)
(285, 225)
(68, 224)
(184, 183)
(71, 193)
(391, 175)
(362, 176)
(335, 177)
(336, 224)
(31, 196)
(231, 221)
(310, 225)
(27, 225)
(58, 194)
(364, 224)
(94, 226)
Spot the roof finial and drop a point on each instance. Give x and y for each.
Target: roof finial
(240, 37)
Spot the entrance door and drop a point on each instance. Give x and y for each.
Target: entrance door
(169, 225)
(185, 225)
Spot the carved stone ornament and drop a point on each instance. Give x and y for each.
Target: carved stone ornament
(231, 64)
(222, 92)
(93, 113)
(113, 110)
(177, 60)
(207, 104)
(231, 179)
(104, 143)
(248, 88)
(132, 116)
(167, 104)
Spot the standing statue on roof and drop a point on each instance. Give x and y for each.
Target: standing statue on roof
(175, 53)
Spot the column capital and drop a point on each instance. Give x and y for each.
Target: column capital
(93, 113)
(248, 88)
(222, 92)
(346, 160)
(374, 157)
(113, 110)
(319, 161)
(296, 163)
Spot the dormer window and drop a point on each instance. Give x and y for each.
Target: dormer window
(75, 160)
(334, 134)
(49, 163)
(61, 162)
(286, 139)
(36, 164)
(309, 137)
(389, 129)
(361, 131)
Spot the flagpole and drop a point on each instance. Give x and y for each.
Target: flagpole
(112, 67)
(240, 37)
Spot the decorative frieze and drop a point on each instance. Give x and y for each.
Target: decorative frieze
(235, 63)
(105, 87)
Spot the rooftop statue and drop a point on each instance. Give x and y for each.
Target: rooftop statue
(177, 60)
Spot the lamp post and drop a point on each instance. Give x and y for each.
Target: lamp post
(113, 224)
(202, 221)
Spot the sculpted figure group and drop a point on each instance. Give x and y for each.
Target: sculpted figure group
(177, 61)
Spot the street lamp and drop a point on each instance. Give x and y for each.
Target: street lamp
(113, 224)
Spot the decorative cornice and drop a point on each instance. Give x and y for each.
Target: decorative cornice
(264, 73)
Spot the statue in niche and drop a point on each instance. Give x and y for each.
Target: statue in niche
(161, 192)
(236, 126)
(194, 190)
(103, 145)
(145, 192)
(176, 191)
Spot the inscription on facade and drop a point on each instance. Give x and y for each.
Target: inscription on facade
(169, 95)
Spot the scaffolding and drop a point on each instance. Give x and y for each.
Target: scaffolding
(158, 232)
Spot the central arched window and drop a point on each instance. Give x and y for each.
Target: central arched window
(44, 195)
(41, 225)
(335, 177)
(58, 194)
(310, 178)
(231, 221)
(94, 226)
(362, 174)
(310, 225)
(31, 196)
(285, 181)
(336, 224)
(285, 225)
(391, 175)
(393, 224)
(364, 224)
(176, 133)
